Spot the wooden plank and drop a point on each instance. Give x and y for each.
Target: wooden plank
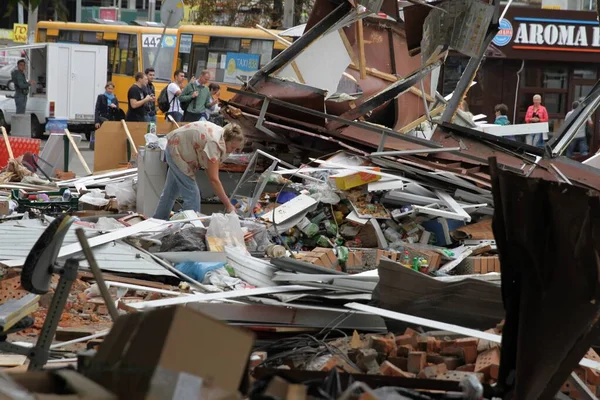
(7, 143)
(12, 360)
(219, 296)
(408, 127)
(131, 142)
(85, 275)
(13, 311)
(76, 149)
(362, 61)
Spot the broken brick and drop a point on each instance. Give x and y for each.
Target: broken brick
(458, 376)
(400, 362)
(494, 371)
(411, 332)
(366, 360)
(453, 352)
(89, 308)
(389, 369)
(486, 359)
(416, 361)
(102, 310)
(433, 358)
(469, 345)
(432, 371)
(466, 368)
(385, 345)
(403, 350)
(453, 362)
(405, 339)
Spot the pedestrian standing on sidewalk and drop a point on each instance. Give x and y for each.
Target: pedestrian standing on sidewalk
(137, 98)
(150, 90)
(173, 93)
(199, 145)
(501, 118)
(107, 106)
(536, 113)
(579, 142)
(195, 99)
(21, 87)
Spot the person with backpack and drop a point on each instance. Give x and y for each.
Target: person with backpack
(168, 100)
(195, 99)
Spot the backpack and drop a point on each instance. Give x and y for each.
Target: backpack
(185, 104)
(163, 100)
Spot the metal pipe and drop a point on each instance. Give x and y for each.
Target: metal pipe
(416, 151)
(517, 91)
(89, 255)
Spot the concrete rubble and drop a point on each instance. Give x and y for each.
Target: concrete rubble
(384, 246)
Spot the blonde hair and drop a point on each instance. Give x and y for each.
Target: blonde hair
(233, 132)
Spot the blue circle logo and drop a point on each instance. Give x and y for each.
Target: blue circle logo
(505, 33)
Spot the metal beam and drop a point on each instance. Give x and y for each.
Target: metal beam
(370, 127)
(391, 92)
(416, 151)
(302, 43)
(469, 72)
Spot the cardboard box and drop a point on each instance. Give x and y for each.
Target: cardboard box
(51, 385)
(4, 207)
(159, 353)
(349, 179)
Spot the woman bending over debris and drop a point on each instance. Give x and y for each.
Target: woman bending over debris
(190, 148)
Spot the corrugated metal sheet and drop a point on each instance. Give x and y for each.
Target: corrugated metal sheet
(18, 237)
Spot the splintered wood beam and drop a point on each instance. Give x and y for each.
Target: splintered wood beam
(362, 62)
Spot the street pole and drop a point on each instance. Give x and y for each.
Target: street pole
(151, 10)
(288, 13)
(21, 18)
(32, 17)
(78, 10)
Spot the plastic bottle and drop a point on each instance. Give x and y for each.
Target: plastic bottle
(307, 227)
(275, 251)
(406, 259)
(391, 235)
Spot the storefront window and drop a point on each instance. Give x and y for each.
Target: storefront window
(585, 73)
(555, 78)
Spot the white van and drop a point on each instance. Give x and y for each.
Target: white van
(69, 77)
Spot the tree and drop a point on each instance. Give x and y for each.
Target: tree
(57, 5)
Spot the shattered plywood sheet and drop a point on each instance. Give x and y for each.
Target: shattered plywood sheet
(313, 69)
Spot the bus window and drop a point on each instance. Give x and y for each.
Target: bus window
(185, 49)
(262, 47)
(126, 55)
(91, 38)
(69, 36)
(41, 36)
(163, 65)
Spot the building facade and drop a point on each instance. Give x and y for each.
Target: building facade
(554, 53)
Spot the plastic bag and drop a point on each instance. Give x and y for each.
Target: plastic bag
(197, 270)
(152, 140)
(124, 192)
(95, 198)
(260, 239)
(324, 193)
(225, 231)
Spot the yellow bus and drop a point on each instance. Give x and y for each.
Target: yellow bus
(131, 48)
(227, 52)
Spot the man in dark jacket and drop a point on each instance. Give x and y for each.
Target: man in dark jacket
(21, 87)
(150, 90)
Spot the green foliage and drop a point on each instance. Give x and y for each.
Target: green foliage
(57, 5)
